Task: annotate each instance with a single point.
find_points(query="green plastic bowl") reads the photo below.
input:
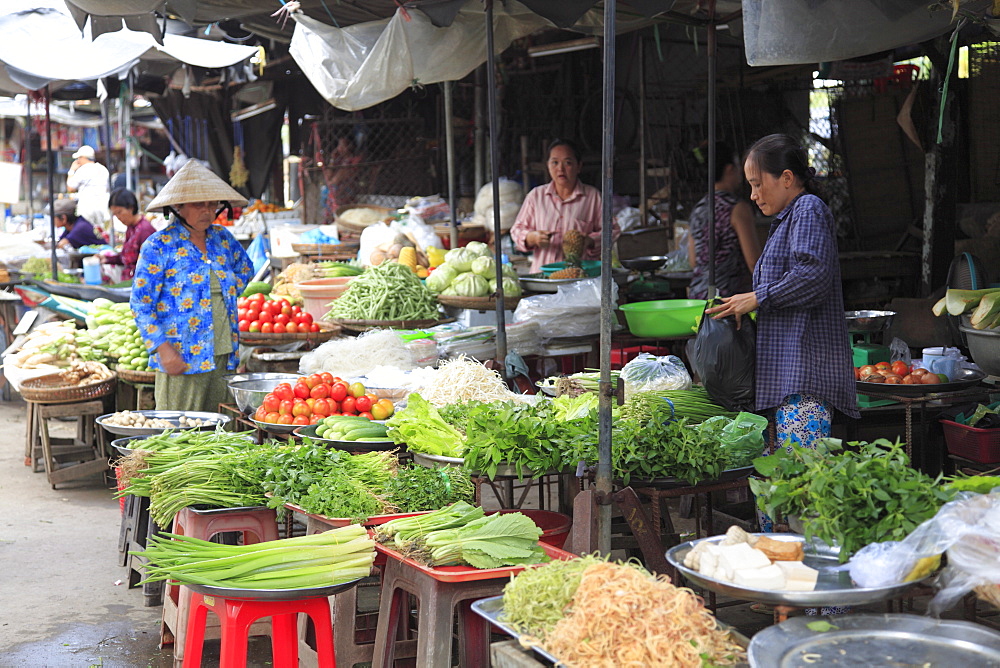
(663, 317)
(590, 268)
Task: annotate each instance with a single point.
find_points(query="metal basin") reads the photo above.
(263, 375)
(645, 262)
(868, 321)
(249, 394)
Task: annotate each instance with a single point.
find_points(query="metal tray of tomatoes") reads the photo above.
(965, 379)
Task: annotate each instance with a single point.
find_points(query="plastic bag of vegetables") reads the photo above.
(648, 373)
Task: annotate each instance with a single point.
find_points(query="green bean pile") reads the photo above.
(389, 291)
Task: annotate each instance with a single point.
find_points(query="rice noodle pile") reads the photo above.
(350, 357)
(462, 379)
(622, 617)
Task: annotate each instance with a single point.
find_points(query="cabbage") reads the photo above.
(460, 258)
(484, 266)
(478, 249)
(470, 285)
(511, 286)
(508, 270)
(441, 278)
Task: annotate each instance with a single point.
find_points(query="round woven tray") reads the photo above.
(52, 389)
(326, 333)
(479, 303)
(365, 325)
(346, 250)
(133, 376)
(355, 227)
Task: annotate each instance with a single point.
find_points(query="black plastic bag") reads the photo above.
(725, 359)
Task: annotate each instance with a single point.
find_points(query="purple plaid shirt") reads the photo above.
(802, 340)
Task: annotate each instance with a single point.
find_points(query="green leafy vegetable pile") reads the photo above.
(41, 269)
(848, 497)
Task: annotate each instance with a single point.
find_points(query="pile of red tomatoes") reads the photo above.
(257, 313)
(317, 396)
(897, 373)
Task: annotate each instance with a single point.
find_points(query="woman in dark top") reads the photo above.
(125, 208)
(77, 230)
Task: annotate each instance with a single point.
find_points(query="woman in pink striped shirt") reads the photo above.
(560, 205)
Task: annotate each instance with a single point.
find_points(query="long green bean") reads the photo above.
(389, 291)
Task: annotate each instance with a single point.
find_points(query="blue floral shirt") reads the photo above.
(171, 292)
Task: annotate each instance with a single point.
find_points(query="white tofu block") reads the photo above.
(769, 577)
(798, 576)
(741, 556)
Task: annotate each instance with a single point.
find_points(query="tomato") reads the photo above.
(285, 407)
(366, 414)
(296, 309)
(388, 405)
(257, 298)
(292, 328)
(284, 392)
(356, 390)
(244, 325)
(306, 318)
(910, 379)
(883, 365)
(379, 412)
(301, 409)
(363, 404)
(281, 318)
(314, 327)
(278, 328)
(241, 313)
(348, 406)
(285, 419)
(338, 391)
(267, 328)
(893, 379)
(857, 373)
(930, 379)
(320, 406)
(253, 314)
(899, 368)
(271, 417)
(301, 390)
(254, 326)
(316, 417)
(321, 391)
(271, 403)
(334, 406)
(265, 316)
(310, 402)
(328, 378)
(301, 419)
(259, 415)
(868, 370)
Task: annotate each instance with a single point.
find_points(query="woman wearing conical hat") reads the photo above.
(185, 288)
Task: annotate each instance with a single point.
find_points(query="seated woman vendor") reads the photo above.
(77, 230)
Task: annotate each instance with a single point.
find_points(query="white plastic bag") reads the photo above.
(372, 236)
(575, 310)
(648, 373)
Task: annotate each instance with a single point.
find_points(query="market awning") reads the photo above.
(42, 45)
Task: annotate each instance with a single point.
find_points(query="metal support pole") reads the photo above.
(491, 87)
(607, 392)
(52, 182)
(643, 209)
(478, 123)
(525, 182)
(449, 143)
(26, 161)
(712, 53)
(106, 113)
(131, 182)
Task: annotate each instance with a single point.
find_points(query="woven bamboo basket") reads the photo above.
(479, 303)
(326, 332)
(365, 325)
(133, 376)
(52, 389)
(357, 228)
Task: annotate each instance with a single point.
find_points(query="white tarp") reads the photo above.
(367, 63)
(787, 32)
(44, 45)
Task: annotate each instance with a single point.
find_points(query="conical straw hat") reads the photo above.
(194, 182)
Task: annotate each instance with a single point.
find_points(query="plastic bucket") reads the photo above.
(555, 526)
(319, 292)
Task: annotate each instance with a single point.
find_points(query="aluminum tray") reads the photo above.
(217, 419)
(547, 284)
(834, 586)
(273, 594)
(121, 444)
(309, 431)
(491, 609)
(965, 379)
(272, 428)
(875, 640)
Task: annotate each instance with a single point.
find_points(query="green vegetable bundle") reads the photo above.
(421, 427)
(693, 404)
(867, 494)
(538, 597)
(331, 269)
(389, 291)
(319, 560)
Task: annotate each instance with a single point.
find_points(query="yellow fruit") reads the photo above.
(924, 567)
(435, 256)
(422, 272)
(569, 272)
(408, 258)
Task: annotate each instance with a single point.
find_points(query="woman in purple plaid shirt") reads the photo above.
(804, 366)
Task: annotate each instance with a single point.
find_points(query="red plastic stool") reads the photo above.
(257, 525)
(236, 616)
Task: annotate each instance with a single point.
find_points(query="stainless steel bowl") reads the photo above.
(262, 375)
(213, 420)
(984, 348)
(868, 321)
(249, 394)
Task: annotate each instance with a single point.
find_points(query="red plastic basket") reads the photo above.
(977, 445)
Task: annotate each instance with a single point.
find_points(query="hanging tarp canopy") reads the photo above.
(787, 32)
(368, 63)
(43, 45)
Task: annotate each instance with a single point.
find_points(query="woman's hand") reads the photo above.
(538, 238)
(171, 361)
(737, 305)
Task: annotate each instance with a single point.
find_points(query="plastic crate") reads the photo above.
(977, 445)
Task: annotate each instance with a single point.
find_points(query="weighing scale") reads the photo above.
(862, 326)
(650, 287)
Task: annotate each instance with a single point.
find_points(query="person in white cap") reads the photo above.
(184, 292)
(89, 180)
